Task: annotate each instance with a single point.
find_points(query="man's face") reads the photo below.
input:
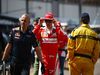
(24, 20)
(35, 23)
(48, 23)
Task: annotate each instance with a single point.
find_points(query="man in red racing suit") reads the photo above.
(49, 37)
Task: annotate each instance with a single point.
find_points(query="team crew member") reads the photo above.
(83, 48)
(21, 41)
(36, 63)
(48, 37)
(62, 52)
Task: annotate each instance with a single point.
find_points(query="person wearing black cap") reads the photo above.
(35, 59)
(83, 48)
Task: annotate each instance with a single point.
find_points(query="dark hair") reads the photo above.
(85, 18)
(37, 19)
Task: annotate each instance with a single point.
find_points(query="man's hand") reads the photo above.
(41, 20)
(42, 68)
(56, 23)
(6, 51)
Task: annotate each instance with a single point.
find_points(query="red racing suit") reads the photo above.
(63, 43)
(49, 46)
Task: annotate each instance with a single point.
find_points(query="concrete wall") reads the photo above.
(67, 12)
(39, 8)
(94, 13)
(13, 7)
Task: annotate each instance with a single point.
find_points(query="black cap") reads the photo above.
(85, 18)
